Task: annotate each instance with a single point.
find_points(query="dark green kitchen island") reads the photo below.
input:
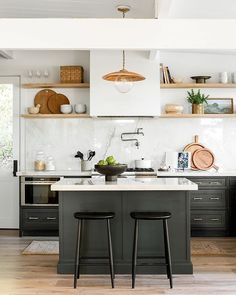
(126, 195)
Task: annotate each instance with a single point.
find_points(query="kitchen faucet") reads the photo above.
(138, 132)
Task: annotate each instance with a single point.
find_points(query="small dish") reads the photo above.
(80, 108)
(66, 108)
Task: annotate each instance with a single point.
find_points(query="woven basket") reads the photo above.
(71, 74)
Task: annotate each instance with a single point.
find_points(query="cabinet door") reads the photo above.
(208, 219)
(213, 182)
(208, 199)
(106, 100)
(39, 219)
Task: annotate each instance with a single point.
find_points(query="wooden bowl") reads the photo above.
(173, 109)
(111, 171)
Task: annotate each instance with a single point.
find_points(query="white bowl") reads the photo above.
(66, 108)
(80, 108)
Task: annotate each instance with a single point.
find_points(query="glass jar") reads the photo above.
(39, 163)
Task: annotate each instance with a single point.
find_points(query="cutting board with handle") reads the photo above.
(42, 98)
(192, 148)
(204, 159)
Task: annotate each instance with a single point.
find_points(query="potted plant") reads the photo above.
(197, 99)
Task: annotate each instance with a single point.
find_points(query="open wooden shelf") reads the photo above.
(55, 85)
(180, 116)
(54, 116)
(198, 85)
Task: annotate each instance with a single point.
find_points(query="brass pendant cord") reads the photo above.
(124, 74)
(123, 59)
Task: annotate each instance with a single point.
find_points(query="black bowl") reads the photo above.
(111, 171)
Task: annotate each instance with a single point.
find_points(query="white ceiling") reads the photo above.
(107, 8)
(74, 8)
(202, 9)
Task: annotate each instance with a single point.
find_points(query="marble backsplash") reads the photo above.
(61, 138)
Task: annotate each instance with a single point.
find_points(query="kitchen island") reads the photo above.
(123, 196)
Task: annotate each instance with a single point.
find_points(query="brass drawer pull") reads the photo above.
(197, 198)
(33, 218)
(214, 198)
(51, 218)
(197, 219)
(215, 219)
(215, 183)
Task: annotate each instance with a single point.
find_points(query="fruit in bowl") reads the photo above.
(110, 168)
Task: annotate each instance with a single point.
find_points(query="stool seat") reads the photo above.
(94, 215)
(151, 215)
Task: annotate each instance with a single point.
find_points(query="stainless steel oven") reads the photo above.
(36, 191)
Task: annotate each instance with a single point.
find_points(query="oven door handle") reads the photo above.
(38, 183)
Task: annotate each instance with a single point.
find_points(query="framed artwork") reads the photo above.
(219, 106)
(184, 160)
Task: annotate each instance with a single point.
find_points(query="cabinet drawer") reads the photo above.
(43, 219)
(232, 182)
(204, 199)
(209, 219)
(210, 182)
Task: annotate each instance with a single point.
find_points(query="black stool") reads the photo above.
(81, 216)
(152, 216)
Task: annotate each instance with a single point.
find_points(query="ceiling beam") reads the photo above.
(133, 34)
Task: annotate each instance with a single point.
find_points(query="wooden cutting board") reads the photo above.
(42, 98)
(192, 148)
(55, 101)
(203, 159)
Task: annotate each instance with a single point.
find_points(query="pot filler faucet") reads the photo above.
(138, 132)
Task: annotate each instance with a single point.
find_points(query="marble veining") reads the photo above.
(62, 138)
(98, 183)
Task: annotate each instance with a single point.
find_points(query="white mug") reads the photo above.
(223, 77)
(80, 108)
(234, 77)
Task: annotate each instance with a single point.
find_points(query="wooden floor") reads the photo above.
(36, 274)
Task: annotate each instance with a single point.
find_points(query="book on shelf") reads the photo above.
(165, 75)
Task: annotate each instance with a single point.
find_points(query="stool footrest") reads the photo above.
(151, 264)
(150, 257)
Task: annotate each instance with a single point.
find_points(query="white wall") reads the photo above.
(185, 65)
(62, 138)
(142, 100)
(40, 60)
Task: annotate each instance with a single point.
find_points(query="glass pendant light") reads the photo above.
(123, 79)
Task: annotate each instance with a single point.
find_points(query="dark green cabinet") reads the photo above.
(232, 206)
(39, 220)
(210, 207)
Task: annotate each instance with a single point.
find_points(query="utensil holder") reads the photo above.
(86, 165)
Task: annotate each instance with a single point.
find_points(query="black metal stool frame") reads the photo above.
(167, 251)
(78, 250)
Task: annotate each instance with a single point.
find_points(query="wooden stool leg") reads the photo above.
(77, 254)
(167, 251)
(110, 253)
(134, 258)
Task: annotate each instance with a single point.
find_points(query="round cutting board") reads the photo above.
(55, 101)
(192, 148)
(203, 159)
(42, 98)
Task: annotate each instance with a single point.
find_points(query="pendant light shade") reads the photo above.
(123, 78)
(123, 74)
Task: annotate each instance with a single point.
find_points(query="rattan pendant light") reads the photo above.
(123, 78)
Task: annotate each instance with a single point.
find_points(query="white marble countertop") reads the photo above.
(98, 183)
(77, 173)
(193, 173)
